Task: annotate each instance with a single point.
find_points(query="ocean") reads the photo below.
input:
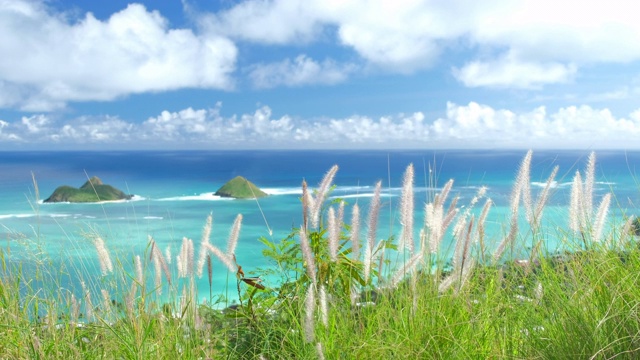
(174, 195)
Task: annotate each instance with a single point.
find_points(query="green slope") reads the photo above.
(240, 188)
(92, 191)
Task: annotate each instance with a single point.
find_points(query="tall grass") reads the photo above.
(402, 297)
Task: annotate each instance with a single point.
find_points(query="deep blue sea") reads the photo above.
(174, 194)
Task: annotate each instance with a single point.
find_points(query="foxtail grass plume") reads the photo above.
(520, 187)
(600, 219)
(323, 189)
(334, 235)
(407, 268)
(106, 266)
(319, 351)
(307, 204)
(88, 307)
(575, 204)
(138, 266)
(542, 198)
(374, 210)
(234, 235)
(226, 259)
(209, 271)
(524, 183)
(206, 234)
(626, 230)
(106, 300)
(406, 211)
(589, 180)
(324, 306)
(435, 220)
(309, 309)
(167, 254)
(308, 257)
(159, 262)
(355, 232)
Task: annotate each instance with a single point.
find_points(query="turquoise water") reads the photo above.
(174, 194)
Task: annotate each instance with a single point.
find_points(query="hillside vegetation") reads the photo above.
(341, 296)
(91, 191)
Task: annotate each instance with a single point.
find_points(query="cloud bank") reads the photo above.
(523, 44)
(55, 60)
(462, 126)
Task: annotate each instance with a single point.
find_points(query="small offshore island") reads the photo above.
(92, 191)
(240, 188)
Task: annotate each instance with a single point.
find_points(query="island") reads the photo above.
(92, 191)
(240, 188)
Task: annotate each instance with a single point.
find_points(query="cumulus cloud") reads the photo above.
(55, 60)
(509, 71)
(551, 39)
(461, 126)
(300, 71)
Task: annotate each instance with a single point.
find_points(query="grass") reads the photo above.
(580, 304)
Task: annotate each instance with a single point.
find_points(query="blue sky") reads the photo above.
(298, 74)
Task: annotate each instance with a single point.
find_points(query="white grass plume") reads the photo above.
(355, 232)
(523, 182)
(234, 235)
(408, 267)
(307, 255)
(542, 198)
(406, 211)
(518, 190)
(334, 234)
(600, 219)
(324, 306)
(374, 210)
(589, 180)
(106, 266)
(575, 204)
(309, 310)
(224, 258)
(206, 234)
(321, 193)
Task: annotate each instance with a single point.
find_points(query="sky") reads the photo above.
(319, 74)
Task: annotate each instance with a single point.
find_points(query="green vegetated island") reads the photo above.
(92, 191)
(95, 190)
(240, 188)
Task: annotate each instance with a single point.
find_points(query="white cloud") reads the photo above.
(55, 60)
(511, 72)
(549, 38)
(462, 126)
(300, 71)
